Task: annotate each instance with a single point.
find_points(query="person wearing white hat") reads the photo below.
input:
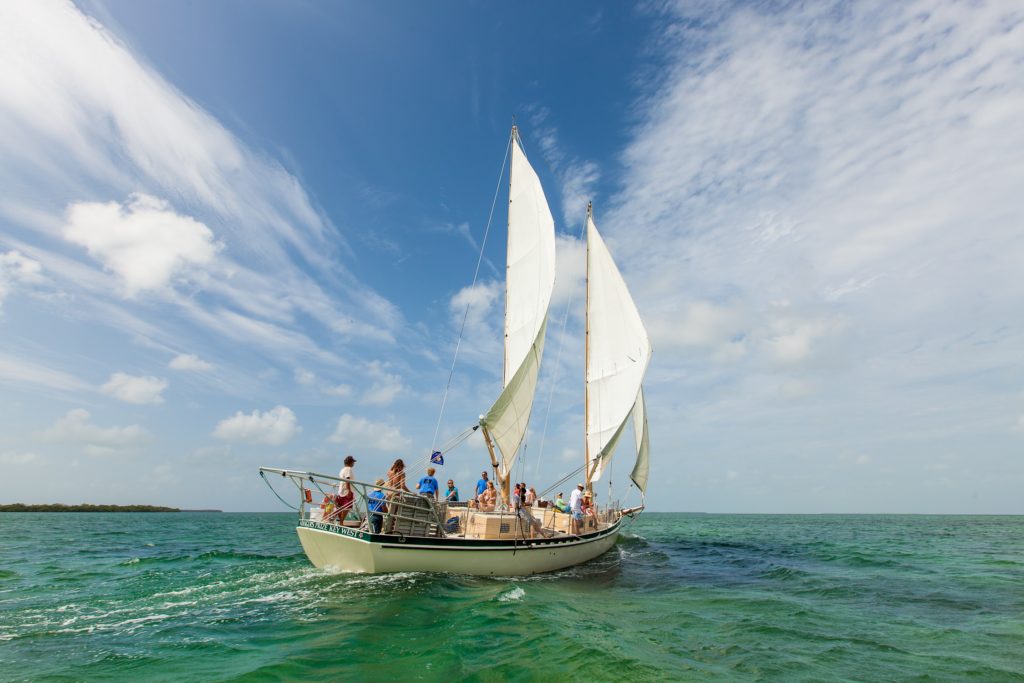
(576, 509)
(346, 495)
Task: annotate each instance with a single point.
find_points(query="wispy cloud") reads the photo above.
(159, 194)
(578, 178)
(131, 389)
(191, 362)
(386, 386)
(77, 428)
(824, 198)
(15, 269)
(21, 370)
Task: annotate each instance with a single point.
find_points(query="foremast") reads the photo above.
(618, 351)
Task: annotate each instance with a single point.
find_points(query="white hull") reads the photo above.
(349, 550)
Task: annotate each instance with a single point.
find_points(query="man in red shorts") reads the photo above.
(343, 501)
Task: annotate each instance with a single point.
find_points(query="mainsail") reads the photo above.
(618, 351)
(529, 281)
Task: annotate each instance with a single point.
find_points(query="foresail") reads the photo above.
(509, 417)
(618, 351)
(529, 281)
(643, 444)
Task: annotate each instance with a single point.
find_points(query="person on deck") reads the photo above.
(560, 503)
(481, 485)
(396, 476)
(489, 498)
(589, 510)
(428, 485)
(531, 496)
(527, 522)
(343, 501)
(376, 504)
(576, 508)
(452, 494)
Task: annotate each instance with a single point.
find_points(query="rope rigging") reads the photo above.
(476, 274)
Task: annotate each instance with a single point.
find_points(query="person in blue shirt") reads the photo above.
(452, 494)
(377, 505)
(428, 486)
(481, 485)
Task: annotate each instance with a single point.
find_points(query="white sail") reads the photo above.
(529, 281)
(643, 444)
(618, 351)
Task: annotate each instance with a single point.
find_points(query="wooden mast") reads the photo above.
(586, 364)
(504, 480)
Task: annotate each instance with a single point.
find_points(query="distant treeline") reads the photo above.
(56, 507)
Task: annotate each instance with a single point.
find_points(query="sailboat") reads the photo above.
(389, 530)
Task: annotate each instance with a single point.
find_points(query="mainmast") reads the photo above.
(586, 361)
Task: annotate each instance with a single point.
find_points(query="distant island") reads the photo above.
(56, 507)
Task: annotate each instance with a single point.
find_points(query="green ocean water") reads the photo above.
(223, 597)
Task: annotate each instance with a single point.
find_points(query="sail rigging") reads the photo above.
(618, 351)
(529, 282)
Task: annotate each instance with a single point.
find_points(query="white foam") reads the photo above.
(514, 595)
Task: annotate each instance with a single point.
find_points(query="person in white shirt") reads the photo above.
(343, 501)
(576, 509)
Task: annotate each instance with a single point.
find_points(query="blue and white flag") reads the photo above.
(437, 458)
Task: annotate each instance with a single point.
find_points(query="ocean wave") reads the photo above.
(514, 595)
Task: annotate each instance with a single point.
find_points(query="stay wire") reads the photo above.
(263, 476)
(476, 274)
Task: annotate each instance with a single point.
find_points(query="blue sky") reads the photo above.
(235, 234)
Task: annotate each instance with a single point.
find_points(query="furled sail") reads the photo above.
(618, 351)
(643, 444)
(529, 281)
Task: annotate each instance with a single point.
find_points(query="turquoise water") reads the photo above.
(708, 597)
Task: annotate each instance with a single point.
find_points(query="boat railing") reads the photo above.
(412, 514)
(405, 513)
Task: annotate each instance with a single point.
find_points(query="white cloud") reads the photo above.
(17, 268)
(17, 458)
(304, 377)
(386, 386)
(132, 389)
(360, 433)
(143, 241)
(701, 324)
(188, 361)
(76, 428)
(275, 426)
(479, 306)
(571, 257)
(339, 390)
